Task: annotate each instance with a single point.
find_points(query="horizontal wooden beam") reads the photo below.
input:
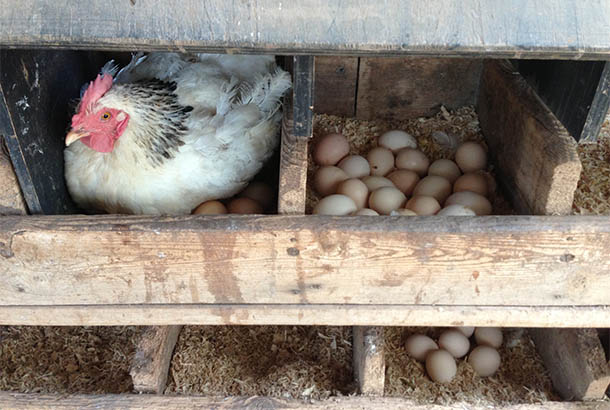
(494, 260)
(14, 401)
(328, 315)
(497, 28)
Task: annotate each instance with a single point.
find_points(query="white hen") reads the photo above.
(173, 131)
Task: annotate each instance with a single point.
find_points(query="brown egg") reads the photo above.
(335, 205)
(471, 182)
(396, 140)
(423, 205)
(478, 203)
(434, 186)
(374, 182)
(355, 189)
(484, 360)
(355, 166)
(441, 366)
(210, 208)
(260, 192)
(454, 342)
(366, 212)
(386, 199)
(244, 206)
(456, 210)
(445, 168)
(330, 149)
(381, 161)
(418, 346)
(413, 159)
(405, 180)
(326, 179)
(471, 157)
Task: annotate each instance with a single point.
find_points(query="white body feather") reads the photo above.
(229, 137)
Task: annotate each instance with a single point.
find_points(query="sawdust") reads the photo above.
(461, 124)
(66, 359)
(304, 362)
(521, 378)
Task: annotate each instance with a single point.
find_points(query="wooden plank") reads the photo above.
(293, 167)
(38, 89)
(575, 360)
(369, 360)
(11, 200)
(574, 30)
(401, 88)
(21, 401)
(152, 359)
(506, 260)
(302, 95)
(535, 156)
(296, 314)
(336, 84)
(576, 92)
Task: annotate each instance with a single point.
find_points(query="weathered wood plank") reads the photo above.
(369, 359)
(576, 92)
(302, 95)
(336, 82)
(293, 167)
(506, 260)
(20, 401)
(319, 314)
(574, 30)
(401, 88)
(536, 158)
(575, 360)
(153, 357)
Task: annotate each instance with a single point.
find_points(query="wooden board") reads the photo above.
(369, 359)
(576, 92)
(296, 314)
(401, 88)
(153, 355)
(574, 30)
(39, 88)
(336, 85)
(506, 260)
(535, 157)
(575, 360)
(293, 167)
(11, 200)
(20, 401)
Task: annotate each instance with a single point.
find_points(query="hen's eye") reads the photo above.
(106, 116)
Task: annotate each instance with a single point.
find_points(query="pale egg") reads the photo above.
(386, 199)
(405, 180)
(403, 212)
(433, 185)
(327, 179)
(423, 205)
(456, 210)
(484, 360)
(418, 346)
(366, 212)
(476, 183)
(396, 140)
(375, 182)
(441, 366)
(413, 159)
(445, 168)
(335, 205)
(355, 189)
(478, 203)
(466, 330)
(381, 161)
(355, 166)
(330, 149)
(454, 342)
(471, 157)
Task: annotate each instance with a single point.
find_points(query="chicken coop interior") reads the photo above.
(302, 302)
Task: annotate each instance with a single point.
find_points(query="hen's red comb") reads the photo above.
(94, 92)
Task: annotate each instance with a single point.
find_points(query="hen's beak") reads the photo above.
(74, 136)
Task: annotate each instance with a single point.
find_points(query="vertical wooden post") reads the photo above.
(153, 356)
(369, 359)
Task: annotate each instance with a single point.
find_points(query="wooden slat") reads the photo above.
(574, 30)
(19, 401)
(322, 314)
(293, 168)
(153, 357)
(536, 158)
(369, 359)
(401, 88)
(507, 260)
(575, 360)
(336, 83)
(302, 95)
(576, 92)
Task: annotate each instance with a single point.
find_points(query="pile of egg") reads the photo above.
(453, 344)
(255, 199)
(396, 178)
